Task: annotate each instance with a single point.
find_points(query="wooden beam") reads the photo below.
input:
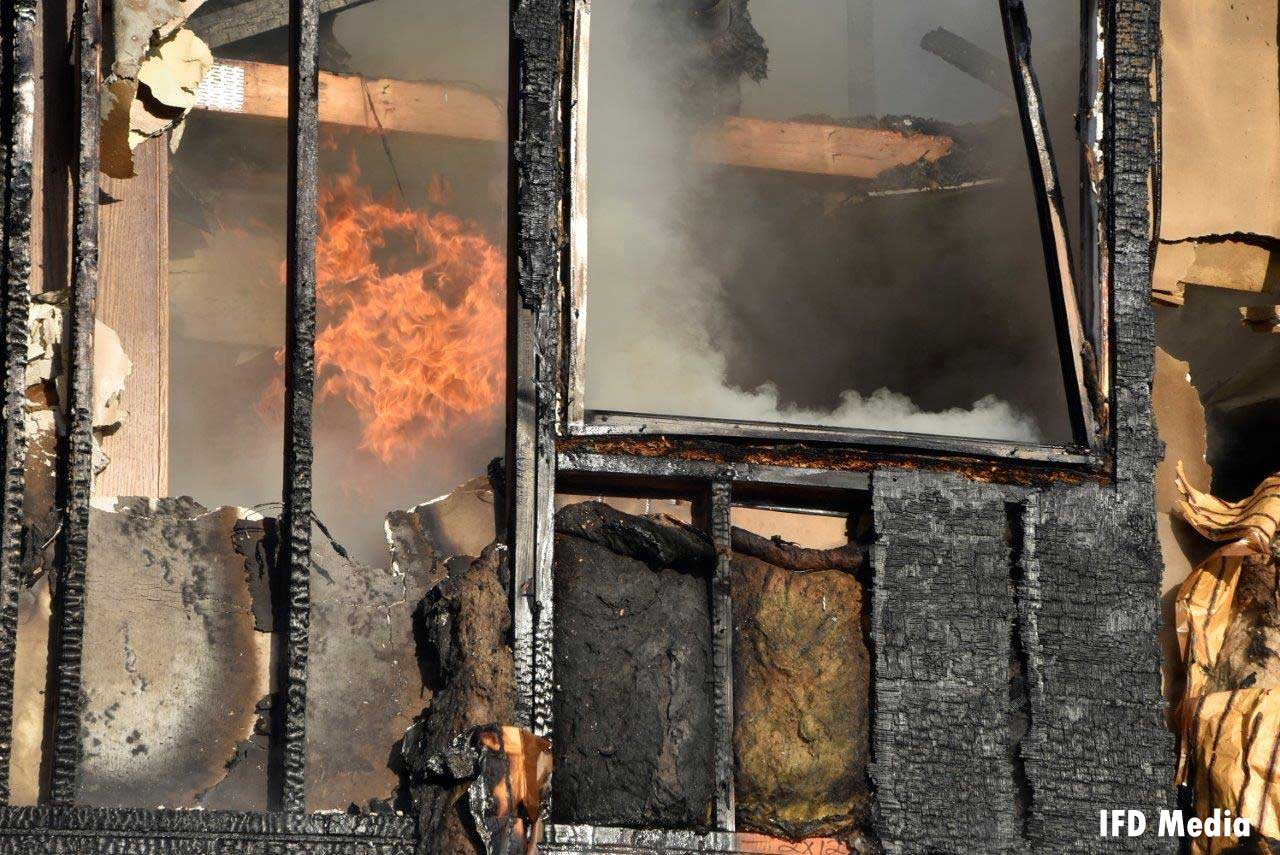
(461, 112)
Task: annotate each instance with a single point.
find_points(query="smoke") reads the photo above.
(694, 270)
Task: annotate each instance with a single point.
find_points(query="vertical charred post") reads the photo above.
(77, 454)
(18, 122)
(536, 202)
(300, 272)
(722, 651)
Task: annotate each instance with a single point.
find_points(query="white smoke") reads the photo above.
(657, 303)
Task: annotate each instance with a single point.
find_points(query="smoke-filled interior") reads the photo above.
(410, 351)
(724, 283)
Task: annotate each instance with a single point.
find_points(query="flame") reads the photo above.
(411, 320)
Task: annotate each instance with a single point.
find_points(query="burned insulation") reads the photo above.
(633, 708)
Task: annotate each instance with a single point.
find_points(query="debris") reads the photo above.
(464, 624)
(154, 79)
(978, 63)
(1263, 319)
(1228, 620)
(500, 775)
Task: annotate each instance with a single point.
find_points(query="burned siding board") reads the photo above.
(1088, 604)
(942, 617)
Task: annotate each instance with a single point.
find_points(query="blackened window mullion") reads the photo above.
(304, 28)
(722, 652)
(77, 456)
(19, 122)
(1079, 371)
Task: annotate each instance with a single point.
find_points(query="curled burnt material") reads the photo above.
(463, 627)
(498, 776)
(1228, 623)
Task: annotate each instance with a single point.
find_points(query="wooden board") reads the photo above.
(133, 299)
(461, 112)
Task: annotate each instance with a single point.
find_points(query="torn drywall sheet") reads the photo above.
(1180, 421)
(154, 80)
(1221, 119)
(1233, 264)
(1228, 622)
(173, 666)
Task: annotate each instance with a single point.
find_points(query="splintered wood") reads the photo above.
(461, 112)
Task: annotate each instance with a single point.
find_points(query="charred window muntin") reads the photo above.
(1073, 254)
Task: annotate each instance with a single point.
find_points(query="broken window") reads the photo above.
(825, 216)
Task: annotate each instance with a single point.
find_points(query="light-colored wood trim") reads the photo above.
(576, 347)
(133, 299)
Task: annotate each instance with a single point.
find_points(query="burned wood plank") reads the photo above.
(300, 345)
(720, 506)
(1090, 600)
(535, 199)
(77, 474)
(942, 617)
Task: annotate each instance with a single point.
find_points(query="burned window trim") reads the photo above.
(1076, 302)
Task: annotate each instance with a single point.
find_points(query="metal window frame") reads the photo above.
(1075, 301)
(61, 824)
(556, 443)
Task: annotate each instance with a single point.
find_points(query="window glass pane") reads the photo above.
(803, 215)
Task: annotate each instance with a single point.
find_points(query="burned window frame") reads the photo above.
(1078, 303)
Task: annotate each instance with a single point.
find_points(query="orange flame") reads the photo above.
(411, 321)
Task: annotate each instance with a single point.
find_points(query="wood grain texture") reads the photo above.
(133, 299)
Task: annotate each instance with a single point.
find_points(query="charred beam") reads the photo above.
(77, 472)
(300, 277)
(15, 235)
(959, 52)
(227, 23)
